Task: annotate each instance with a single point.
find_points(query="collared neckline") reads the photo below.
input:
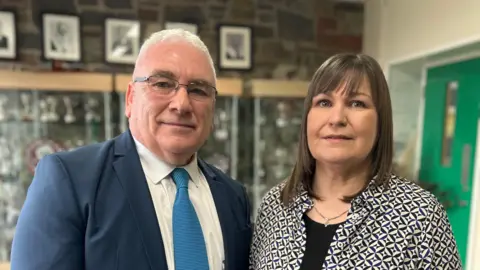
(158, 170)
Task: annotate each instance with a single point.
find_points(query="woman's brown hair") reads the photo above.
(347, 71)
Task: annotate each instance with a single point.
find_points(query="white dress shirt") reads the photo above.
(163, 191)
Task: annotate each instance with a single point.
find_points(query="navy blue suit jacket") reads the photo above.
(91, 209)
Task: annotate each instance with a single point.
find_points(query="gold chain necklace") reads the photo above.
(327, 220)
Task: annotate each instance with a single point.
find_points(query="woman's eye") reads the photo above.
(323, 103)
(357, 103)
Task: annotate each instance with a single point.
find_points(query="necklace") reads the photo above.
(327, 220)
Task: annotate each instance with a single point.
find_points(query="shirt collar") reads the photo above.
(157, 170)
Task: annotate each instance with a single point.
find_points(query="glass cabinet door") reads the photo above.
(276, 131)
(220, 150)
(34, 124)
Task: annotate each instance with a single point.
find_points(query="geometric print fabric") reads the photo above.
(401, 226)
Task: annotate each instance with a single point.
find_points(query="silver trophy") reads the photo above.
(91, 107)
(3, 110)
(69, 116)
(43, 108)
(27, 108)
(6, 157)
(221, 132)
(52, 109)
(282, 120)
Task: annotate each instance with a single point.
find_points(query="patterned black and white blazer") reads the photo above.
(398, 227)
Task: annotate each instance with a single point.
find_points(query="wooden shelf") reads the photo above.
(121, 82)
(279, 88)
(55, 81)
(225, 86)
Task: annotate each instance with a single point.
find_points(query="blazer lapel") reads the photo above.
(222, 204)
(130, 174)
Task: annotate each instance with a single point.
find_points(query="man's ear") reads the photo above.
(129, 95)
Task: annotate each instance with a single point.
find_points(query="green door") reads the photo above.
(449, 139)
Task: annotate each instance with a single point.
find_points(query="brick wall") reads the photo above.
(291, 36)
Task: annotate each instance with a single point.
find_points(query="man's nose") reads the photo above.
(180, 101)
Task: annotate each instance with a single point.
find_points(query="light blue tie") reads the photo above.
(189, 248)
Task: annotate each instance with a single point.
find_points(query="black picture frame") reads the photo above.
(121, 40)
(8, 35)
(61, 37)
(235, 47)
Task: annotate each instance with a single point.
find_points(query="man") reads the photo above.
(124, 203)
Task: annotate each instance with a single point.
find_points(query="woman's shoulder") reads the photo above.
(410, 194)
(273, 196)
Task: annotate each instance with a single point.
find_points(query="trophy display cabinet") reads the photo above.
(43, 113)
(221, 148)
(120, 123)
(278, 109)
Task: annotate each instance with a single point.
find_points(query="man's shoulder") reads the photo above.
(85, 154)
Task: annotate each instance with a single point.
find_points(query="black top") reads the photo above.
(319, 238)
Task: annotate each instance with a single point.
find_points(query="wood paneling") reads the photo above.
(56, 81)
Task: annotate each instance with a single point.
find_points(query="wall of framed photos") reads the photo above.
(268, 39)
(45, 112)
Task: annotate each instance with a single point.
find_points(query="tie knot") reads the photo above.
(180, 177)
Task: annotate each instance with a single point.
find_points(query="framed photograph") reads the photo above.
(8, 35)
(122, 40)
(62, 38)
(235, 47)
(192, 28)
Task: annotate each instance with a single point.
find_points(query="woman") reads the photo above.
(342, 207)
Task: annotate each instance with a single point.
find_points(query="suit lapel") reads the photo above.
(224, 212)
(130, 174)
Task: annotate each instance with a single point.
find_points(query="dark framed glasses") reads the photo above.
(166, 86)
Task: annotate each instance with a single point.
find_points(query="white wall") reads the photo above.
(399, 30)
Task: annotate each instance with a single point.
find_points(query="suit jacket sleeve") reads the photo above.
(50, 229)
(436, 247)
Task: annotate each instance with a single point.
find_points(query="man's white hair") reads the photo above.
(176, 35)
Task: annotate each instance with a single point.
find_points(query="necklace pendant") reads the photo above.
(326, 222)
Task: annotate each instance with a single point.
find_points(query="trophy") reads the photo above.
(6, 159)
(91, 107)
(69, 116)
(221, 133)
(43, 107)
(52, 109)
(3, 111)
(27, 110)
(280, 167)
(282, 120)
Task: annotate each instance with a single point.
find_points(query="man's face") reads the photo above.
(176, 125)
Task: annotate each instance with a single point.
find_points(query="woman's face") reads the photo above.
(342, 129)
